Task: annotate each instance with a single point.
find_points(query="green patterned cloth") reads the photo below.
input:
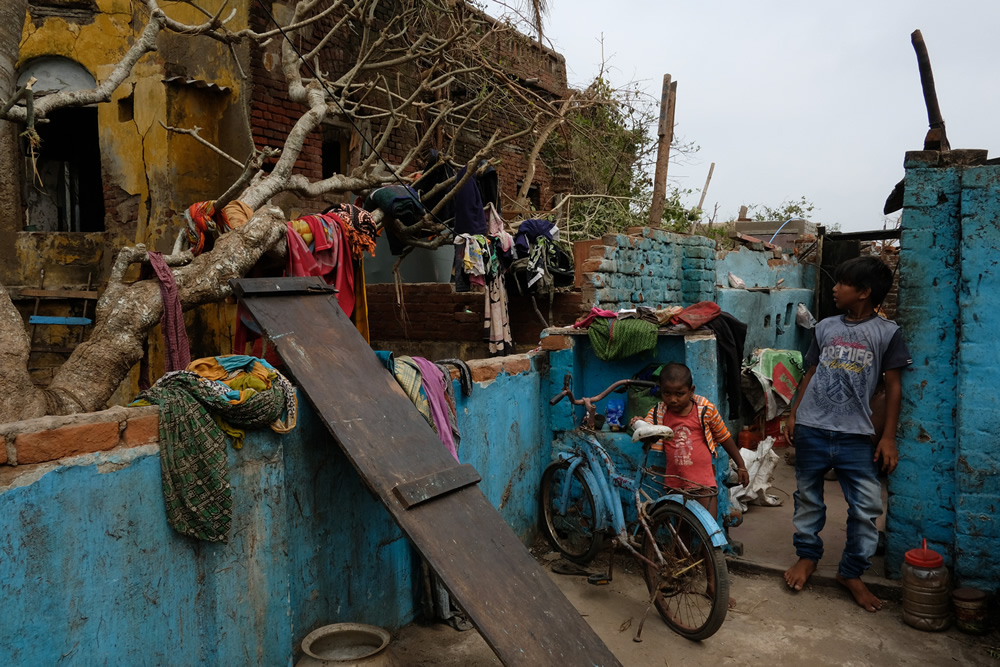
(616, 339)
(193, 460)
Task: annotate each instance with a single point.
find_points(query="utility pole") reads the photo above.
(668, 98)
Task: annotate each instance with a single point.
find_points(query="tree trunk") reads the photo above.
(12, 15)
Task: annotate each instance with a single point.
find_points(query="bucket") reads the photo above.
(971, 610)
(346, 645)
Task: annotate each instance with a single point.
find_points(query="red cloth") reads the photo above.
(178, 349)
(594, 314)
(697, 315)
(688, 455)
(345, 268)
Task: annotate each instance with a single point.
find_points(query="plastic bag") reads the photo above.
(736, 282)
(803, 317)
(614, 413)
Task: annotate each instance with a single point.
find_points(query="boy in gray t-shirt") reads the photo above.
(831, 428)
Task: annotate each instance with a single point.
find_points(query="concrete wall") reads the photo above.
(778, 286)
(947, 486)
(92, 573)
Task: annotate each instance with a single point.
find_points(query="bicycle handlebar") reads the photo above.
(588, 402)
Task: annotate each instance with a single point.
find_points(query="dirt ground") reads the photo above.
(770, 625)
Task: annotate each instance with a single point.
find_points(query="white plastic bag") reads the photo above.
(736, 282)
(760, 467)
(804, 318)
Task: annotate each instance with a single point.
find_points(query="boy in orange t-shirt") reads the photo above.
(698, 429)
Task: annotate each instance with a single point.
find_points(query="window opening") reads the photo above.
(63, 188)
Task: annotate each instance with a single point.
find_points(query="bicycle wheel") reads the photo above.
(692, 586)
(574, 532)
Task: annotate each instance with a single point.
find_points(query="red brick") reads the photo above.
(3, 450)
(516, 365)
(142, 430)
(557, 343)
(66, 441)
(485, 370)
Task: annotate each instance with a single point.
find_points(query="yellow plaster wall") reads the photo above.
(163, 172)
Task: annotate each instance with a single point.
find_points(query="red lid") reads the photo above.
(924, 557)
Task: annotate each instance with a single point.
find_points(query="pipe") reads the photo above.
(783, 226)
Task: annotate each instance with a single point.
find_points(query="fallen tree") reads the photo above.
(442, 45)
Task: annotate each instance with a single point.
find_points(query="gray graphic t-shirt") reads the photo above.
(850, 357)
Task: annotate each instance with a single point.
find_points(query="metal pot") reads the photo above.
(346, 645)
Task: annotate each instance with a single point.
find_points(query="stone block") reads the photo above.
(921, 159)
(595, 279)
(142, 430)
(687, 263)
(699, 275)
(698, 252)
(66, 441)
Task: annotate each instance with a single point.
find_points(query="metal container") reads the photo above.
(971, 610)
(347, 645)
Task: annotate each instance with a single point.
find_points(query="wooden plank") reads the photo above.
(520, 613)
(32, 293)
(66, 321)
(436, 484)
(280, 286)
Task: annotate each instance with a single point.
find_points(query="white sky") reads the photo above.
(809, 98)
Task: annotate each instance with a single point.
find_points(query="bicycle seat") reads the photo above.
(648, 432)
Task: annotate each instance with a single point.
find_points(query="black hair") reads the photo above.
(866, 273)
(675, 373)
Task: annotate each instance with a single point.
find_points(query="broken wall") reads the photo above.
(947, 486)
(92, 573)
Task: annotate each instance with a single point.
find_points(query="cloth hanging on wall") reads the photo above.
(178, 349)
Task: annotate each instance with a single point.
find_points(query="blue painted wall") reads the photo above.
(90, 572)
(947, 486)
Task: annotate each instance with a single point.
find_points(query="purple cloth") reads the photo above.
(178, 354)
(433, 383)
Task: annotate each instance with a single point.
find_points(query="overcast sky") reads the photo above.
(809, 98)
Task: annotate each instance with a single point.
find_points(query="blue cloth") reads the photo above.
(241, 362)
(817, 451)
(529, 231)
(387, 360)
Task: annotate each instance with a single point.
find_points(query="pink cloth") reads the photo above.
(178, 352)
(338, 270)
(594, 314)
(697, 315)
(433, 381)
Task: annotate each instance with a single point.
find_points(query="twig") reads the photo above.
(208, 144)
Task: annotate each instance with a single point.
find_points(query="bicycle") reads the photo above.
(676, 541)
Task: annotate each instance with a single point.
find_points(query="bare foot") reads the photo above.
(797, 575)
(862, 595)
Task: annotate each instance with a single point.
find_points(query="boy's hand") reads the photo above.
(887, 451)
(790, 429)
(743, 476)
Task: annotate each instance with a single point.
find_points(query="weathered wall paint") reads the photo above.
(947, 487)
(770, 315)
(91, 573)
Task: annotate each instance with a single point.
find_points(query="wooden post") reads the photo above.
(668, 98)
(704, 190)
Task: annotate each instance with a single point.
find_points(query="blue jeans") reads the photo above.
(851, 455)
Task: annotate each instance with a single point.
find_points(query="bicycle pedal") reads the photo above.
(599, 579)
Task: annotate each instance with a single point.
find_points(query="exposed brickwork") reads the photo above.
(53, 438)
(67, 441)
(142, 431)
(272, 115)
(649, 268)
(435, 312)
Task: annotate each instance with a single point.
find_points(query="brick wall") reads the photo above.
(651, 268)
(947, 486)
(51, 438)
(436, 313)
(273, 115)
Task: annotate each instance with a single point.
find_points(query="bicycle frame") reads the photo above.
(603, 477)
